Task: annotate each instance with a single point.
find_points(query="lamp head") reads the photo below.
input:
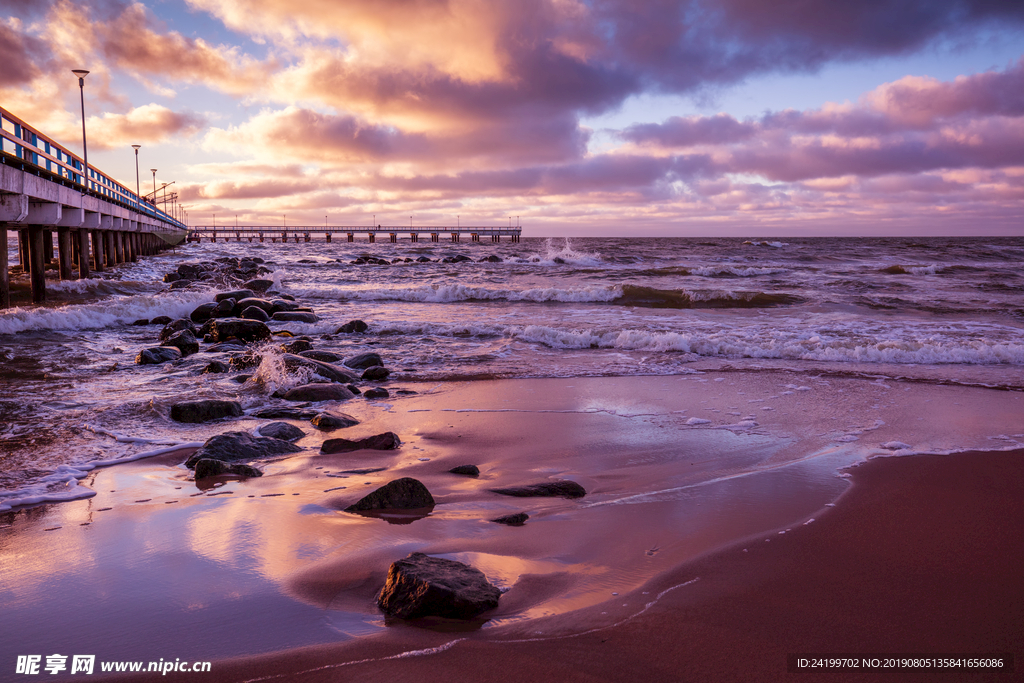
(81, 73)
(136, 148)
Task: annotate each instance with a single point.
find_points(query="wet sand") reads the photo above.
(923, 555)
(268, 575)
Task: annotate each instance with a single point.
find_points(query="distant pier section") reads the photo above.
(353, 233)
(46, 192)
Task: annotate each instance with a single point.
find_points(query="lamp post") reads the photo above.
(82, 73)
(138, 191)
(154, 185)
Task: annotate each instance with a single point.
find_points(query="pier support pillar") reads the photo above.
(35, 248)
(394, 237)
(5, 276)
(64, 252)
(455, 237)
(99, 261)
(372, 236)
(23, 259)
(108, 248)
(414, 237)
(434, 237)
(119, 246)
(351, 237)
(83, 254)
(328, 238)
(307, 238)
(47, 246)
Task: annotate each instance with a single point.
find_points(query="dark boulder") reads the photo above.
(184, 341)
(354, 389)
(281, 430)
(182, 284)
(364, 360)
(422, 259)
(328, 422)
(424, 586)
(160, 320)
(255, 313)
(282, 304)
(492, 259)
(237, 295)
(259, 286)
(258, 303)
(401, 494)
(225, 309)
(157, 355)
(231, 446)
(171, 277)
(319, 392)
(248, 331)
(376, 392)
(216, 366)
(322, 356)
(294, 317)
(565, 489)
(352, 326)
(377, 372)
(380, 442)
(141, 322)
(468, 470)
(203, 312)
(177, 326)
(297, 346)
(285, 413)
(208, 467)
(293, 362)
(517, 519)
(204, 410)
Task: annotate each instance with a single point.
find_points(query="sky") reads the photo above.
(576, 118)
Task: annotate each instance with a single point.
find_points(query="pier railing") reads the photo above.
(432, 233)
(23, 146)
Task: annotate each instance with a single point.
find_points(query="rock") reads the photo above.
(285, 413)
(157, 354)
(493, 259)
(208, 467)
(468, 470)
(322, 356)
(422, 259)
(352, 326)
(160, 320)
(328, 422)
(364, 360)
(380, 442)
(264, 304)
(231, 446)
(424, 586)
(237, 295)
(281, 430)
(225, 309)
(297, 346)
(259, 286)
(319, 392)
(140, 323)
(203, 312)
(248, 331)
(377, 372)
(566, 489)
(376, 392)
(294, 317)
(401, 494)
(243, 361)
(205, 410)
(282, 304)
(171, 277)
(216, 366)
(181, 284)
(517, 519)
(255, 313)
(177, 326)
(184, 341)
(354, 389)
(292, 362)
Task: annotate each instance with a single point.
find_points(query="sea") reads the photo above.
(937, 310)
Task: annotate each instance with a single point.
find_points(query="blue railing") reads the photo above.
(29, 146)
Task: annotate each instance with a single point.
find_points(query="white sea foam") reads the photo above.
(449, 293)
(735, 271)
(112, 312)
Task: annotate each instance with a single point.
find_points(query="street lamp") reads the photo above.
(136, 148)
(154, 185)
(82, 73)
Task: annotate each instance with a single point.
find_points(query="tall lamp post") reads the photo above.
(137, 190)
(82, 73)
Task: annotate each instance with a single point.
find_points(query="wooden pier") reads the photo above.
(369, 234)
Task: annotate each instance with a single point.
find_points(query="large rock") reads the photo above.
(319, 392)
(255, 313)
(157, 355)
(205, 410)
(285, 413)
(352, 326)
(208, 467)
(549, 489)
(376, 373)
(281, 430)
(248, 331)
(322, 356)
(424, 586)
(401, 494)
(518, 519)
(468, 470)
(379, 442)
(378, 392)
(203, 312)
(258, 303)
(231, 446)
(328, 422)
(177, 326)
(259, 286)
(237, 295)
(184, 341)
(297, 346)
(364, 360)
(294, 317)
(332, 372)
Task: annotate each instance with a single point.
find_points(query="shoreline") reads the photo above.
(940, 578)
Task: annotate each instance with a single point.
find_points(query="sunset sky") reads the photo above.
(599, 117)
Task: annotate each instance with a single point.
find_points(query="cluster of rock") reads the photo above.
(460, 258)
(222, 272)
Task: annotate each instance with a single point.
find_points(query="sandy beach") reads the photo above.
(706, 548)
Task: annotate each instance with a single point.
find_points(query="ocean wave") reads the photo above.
(650, 297)
(108, 313)
(735, 271)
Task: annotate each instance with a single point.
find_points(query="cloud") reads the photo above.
(20, 55)
(151, 123)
